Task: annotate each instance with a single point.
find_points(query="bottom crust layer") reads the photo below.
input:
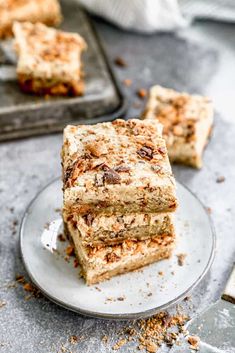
(41, 87)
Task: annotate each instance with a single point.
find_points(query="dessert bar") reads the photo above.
(187, 121)
(119, 167)
(49, 60)
(45, 11)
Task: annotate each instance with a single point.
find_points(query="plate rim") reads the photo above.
(111, 316)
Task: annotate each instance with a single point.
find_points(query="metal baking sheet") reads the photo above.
(25, 115)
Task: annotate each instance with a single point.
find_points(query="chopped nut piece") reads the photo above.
(73, 339)
(75, 263)
(122, 169)
(70, 250)
(181, 258)
(127, 82)
(142, 93)
(112, 257)
(220, 179)
(61, 237)
(194, 342)
(28, 287)
(20, 278)
(119, 61)
(151, 347)
(105, 339)
(2, 303)
(97, 149)
(121, 299)
(112, 177)
(145, 152)
(89, 219)
(119, 344)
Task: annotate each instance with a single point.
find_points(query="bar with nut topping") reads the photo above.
(187, 122)
(44, 11)
(119, 167)
(49, 60)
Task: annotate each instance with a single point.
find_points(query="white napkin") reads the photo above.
(139, 15)
(159, 15)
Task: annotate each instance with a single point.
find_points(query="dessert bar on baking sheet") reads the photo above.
(24, 114)
(44, 11)
(49, 60)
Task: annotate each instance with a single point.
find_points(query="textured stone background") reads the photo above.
(200, 59)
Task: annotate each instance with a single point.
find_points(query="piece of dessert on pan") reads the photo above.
(44, 11)
(49, 60)
(187, 122)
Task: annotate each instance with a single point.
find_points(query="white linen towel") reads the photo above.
(159, 15)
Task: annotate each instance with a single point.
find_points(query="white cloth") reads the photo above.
(139, 15)
(159, 15)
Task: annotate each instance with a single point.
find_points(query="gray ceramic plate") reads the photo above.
(133, 295)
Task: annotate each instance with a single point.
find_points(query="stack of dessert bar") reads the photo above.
(119, 196)
(187, 121)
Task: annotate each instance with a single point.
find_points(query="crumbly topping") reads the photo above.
(47, 53)
(121, 152)
(178, 112)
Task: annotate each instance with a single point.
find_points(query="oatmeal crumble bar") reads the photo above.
(118, 167)
(187, 121)
(49, 60)
(105, 261)
(96, 230)
(45, 11)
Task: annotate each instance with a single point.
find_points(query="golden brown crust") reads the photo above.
(44, 87)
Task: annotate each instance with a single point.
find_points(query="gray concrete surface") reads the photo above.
(200, 59)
